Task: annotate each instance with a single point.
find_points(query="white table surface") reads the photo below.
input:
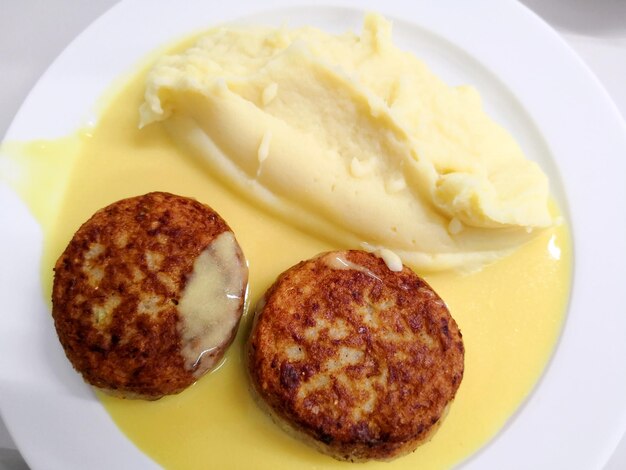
(34, 32)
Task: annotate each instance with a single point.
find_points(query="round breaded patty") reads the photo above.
(148, 295)
(357, 360)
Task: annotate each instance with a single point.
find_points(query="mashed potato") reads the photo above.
(354, 139)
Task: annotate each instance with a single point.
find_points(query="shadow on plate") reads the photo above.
(591, 18)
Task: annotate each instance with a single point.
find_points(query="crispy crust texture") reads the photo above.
(356, 360)
(116, 290)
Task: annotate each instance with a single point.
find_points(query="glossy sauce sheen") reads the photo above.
(510, 313)
(209, 305)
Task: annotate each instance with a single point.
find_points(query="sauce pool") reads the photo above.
(510, 313)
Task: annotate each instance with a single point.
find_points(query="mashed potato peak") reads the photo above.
(353, 138)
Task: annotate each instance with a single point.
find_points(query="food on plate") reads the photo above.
(357, 360)
(511, 312)
(350, 137)
(148, 295)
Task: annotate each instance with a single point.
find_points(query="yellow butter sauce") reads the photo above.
(510, 313)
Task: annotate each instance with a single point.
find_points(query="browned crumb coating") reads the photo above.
(360, 362)
(116, 290)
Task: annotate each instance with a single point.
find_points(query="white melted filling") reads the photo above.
(391, 259)
(211, 302)
(339, 261)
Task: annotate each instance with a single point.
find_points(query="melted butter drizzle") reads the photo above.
(391, 258)
(339, 261)
(211, 303)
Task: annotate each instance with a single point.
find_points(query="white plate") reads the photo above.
(531, 82)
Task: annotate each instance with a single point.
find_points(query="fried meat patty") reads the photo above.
(148, 295)
(356, 360)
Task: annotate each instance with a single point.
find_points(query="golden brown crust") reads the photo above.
(116, 290)
(362, 361)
